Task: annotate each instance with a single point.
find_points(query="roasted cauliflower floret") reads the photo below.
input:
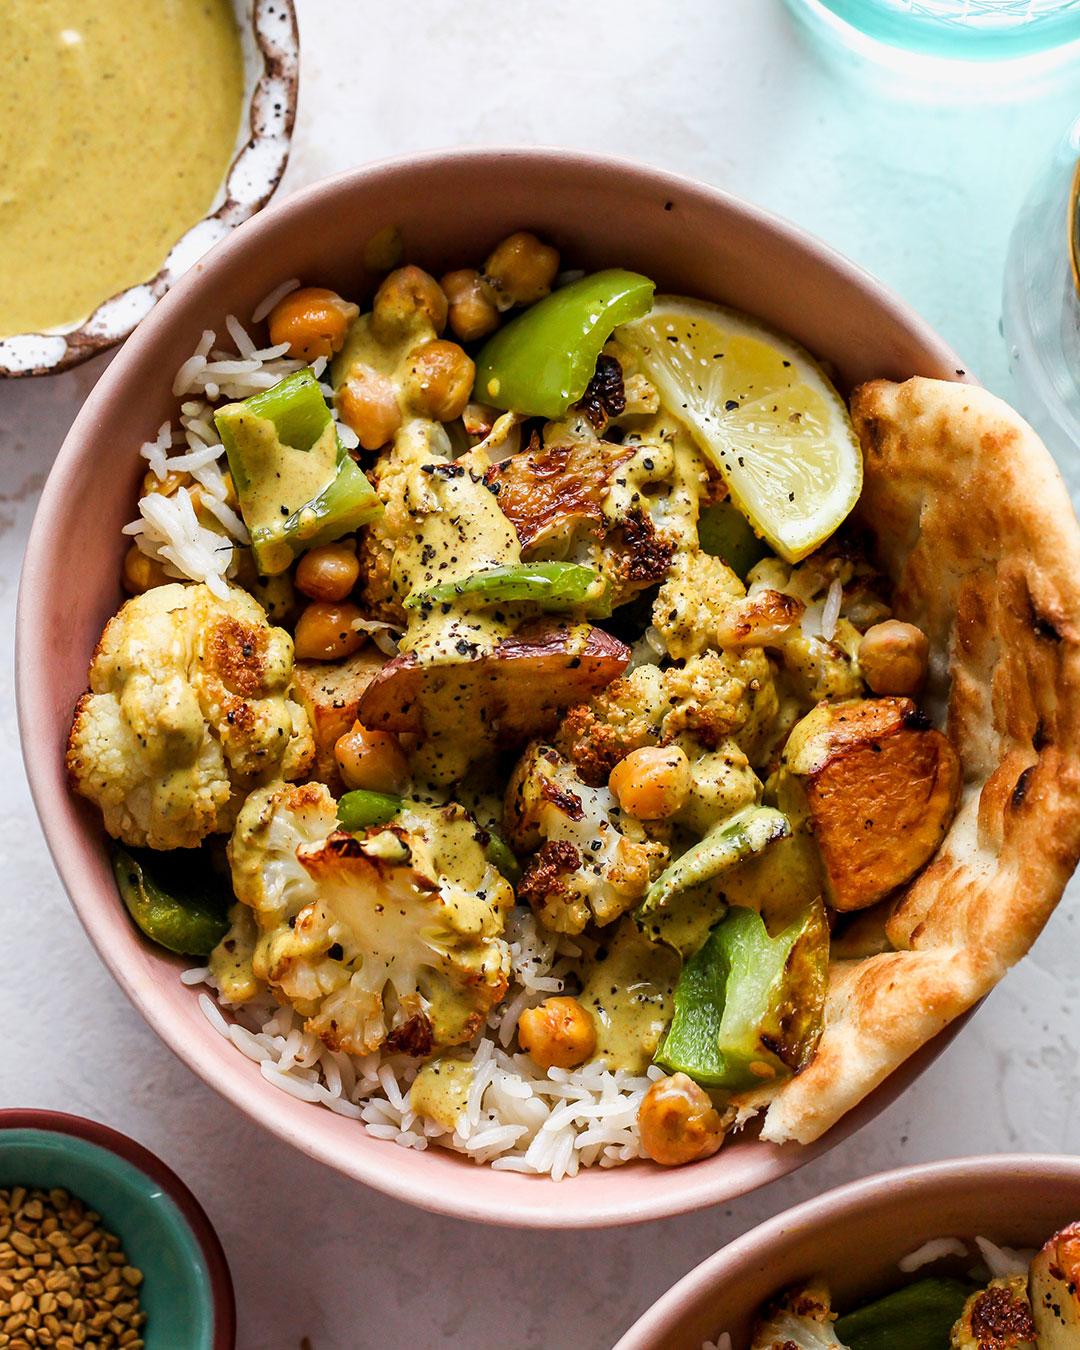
(190, 707)
(590, 861)
(801, 1319)
(840, 595)
(713, 697)
(703, 604)
(390, 940)
(626, 716)
(996, 1318)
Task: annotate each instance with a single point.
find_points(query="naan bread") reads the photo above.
(973, 525)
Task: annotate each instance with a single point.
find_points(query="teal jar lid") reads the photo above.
(186, 1291)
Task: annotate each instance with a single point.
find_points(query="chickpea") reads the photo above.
(442, 379)
(373, 760)
(678, 1122)
(368, 403)
(313, 321)
(559, 1034)
(521, 270)
(893, 657)
(472, 311)
(164, 487)
(652, 782)
(325, 632)
(407, 299)
(328, 572)
(141, 572)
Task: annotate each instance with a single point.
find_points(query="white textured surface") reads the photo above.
(920, 192)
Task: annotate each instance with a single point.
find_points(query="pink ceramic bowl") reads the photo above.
(451, 208)
(855, 1236)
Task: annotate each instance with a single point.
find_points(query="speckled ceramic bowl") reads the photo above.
(271, 49)
(451, 208)
(186, 1292)
(856, 1235)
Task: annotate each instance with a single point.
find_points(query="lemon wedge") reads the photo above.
(764, 412)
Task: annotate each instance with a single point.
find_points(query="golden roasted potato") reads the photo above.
(330, 692)
(876, 785)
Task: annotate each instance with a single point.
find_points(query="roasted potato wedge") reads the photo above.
(330, 692)
(523, 684)
(876, 785)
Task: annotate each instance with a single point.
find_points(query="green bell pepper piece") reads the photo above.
(917, 1317)
(725, 532)
(357, 810)
(548, 585)
(297, 485)
(681, 905)
(175, 898)
(501, 857)
(541, 362)
(749, 1008)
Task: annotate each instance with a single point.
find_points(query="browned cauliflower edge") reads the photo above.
(389, 940)
(190, 707)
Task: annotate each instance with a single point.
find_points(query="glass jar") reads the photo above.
(968, 29)
(1041, 306)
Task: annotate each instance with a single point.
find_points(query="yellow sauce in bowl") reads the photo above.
(118, 119)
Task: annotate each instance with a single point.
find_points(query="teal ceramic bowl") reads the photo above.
(186, 1292)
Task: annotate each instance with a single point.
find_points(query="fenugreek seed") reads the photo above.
(14, 1322)
(21, 1301)
(22, 1244)
(17, 1196)
(33, 1210)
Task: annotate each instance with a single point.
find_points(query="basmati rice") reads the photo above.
(516, 1117)
(934, 1250)
(194, 534)
(1002, 1261)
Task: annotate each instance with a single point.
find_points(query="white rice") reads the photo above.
(1003, 1261)
(831, 610)
(517, 1117)
(934, 1250)
(169, 528)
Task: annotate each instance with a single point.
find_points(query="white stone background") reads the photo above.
(917, 181)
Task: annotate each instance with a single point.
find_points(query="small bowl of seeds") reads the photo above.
(102, 1247)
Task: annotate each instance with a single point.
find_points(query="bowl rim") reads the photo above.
(280, 64)
(551, 1208)
(847, 1201)
(104, 1137)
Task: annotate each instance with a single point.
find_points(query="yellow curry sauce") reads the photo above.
(117, 123)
